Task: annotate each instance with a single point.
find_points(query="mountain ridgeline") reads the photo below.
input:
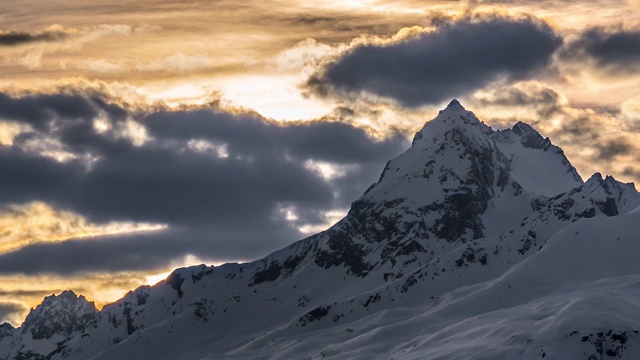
(473, 244)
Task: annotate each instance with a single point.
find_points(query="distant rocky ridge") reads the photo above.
(473, 244)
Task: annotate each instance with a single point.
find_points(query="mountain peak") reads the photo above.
(521, 128)
(455, 104)
(595, 178)
(455, 110)
(6, 329)
(59, 314)
(608, 183)
(454, 115)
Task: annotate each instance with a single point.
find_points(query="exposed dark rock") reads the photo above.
(610, 343)
(372, 299)
(315, 314)
(175, 281)
(142, 298)
(528, 241)
(197, 277)
(608, 207)
(271, 273)
(129, 318)
(343, 251)
(472, 256)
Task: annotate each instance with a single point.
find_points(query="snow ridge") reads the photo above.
(474, 244)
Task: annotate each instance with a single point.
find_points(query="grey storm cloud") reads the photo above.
(15, 38)
(544, 101)
(103, 254)
(613, 148)
(617, 49)
(457, 58)
(9, 310)
(216, 207)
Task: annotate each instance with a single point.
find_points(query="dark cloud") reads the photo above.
(617, 50)
(9, 311)
(104, 254)
(218, 207)
(543, 101)
(632, 172)
(312, 20)
(457, 58)
(29, 293)
(42, 110)
(335, 25)
(15, 38)
(611, 149)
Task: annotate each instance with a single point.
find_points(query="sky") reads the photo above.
(137, 137)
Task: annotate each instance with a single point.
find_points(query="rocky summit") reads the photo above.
(473, 244)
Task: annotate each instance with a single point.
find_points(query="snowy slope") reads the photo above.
(474, 243)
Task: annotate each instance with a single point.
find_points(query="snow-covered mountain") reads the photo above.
(473, 244)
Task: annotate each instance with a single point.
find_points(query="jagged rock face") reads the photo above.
(59, 315)
(446, 227)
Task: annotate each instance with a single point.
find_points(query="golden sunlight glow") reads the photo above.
(9, 131)
(331, 217)
(273, 96)
(36, 222)
(156, 278)
(188, 260)
(327, 170)
(102, 288)
(193, 92)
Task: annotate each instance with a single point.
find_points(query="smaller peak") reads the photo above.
(595, 178)
(454, 109)
(6, 329)
(521, 128)
(68, 295)
(530, 137)
(60, 314)
(609, 183)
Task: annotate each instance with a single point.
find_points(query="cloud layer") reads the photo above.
(218, 180)
(455, 59)
(616, 50)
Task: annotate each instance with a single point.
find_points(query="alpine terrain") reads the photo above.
(473, 244)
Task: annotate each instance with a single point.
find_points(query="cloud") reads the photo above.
(176, 63)
(179, 62)
(458, 57)
(34, 223)
(611, 149)
(16, 38)
(99, 255)
(616, 50)
(630, 113)
(531, 97)
(217, 179)
(10, 312)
